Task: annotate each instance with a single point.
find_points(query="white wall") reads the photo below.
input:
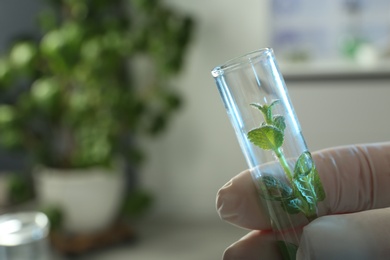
(200, 152)
(335, 113)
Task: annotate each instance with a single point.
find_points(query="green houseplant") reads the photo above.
(72, 100)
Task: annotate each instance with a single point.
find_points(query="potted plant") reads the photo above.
(73, 99)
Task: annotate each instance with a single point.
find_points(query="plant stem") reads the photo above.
(284, 164)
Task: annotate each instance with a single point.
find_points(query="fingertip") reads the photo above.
(253, 246)
(228, 203)
(237, 202)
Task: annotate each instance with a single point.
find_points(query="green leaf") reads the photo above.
(306, 188)
(269, 110)
(266, 137)
(275, 189)
(265, 110)
(307, 179)
(279, 122)
(292, 206)
(258, 106)
(276, 101)
(288, 250)
(318, 188)
(304, 164)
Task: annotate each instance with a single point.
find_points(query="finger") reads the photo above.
(237, 203)
(256, 245)
(362, 236)
(355, 178)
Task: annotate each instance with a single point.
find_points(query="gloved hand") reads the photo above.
(356, 224)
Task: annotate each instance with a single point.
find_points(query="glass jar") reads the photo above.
(24, 235)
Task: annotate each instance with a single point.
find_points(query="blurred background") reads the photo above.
(125, 86)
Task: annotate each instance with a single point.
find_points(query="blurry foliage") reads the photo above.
(136, 204)
(19, 188)
(70, 98)
(55, 216)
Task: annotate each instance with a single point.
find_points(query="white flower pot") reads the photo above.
(89, 198)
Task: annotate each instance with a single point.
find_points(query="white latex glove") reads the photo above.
(356, 180)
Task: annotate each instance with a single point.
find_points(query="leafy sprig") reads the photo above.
(304, 188)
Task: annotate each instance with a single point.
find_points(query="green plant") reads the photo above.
(55, 216)
(70, 98)
(136, 204)
(19, 189)
(304, 188)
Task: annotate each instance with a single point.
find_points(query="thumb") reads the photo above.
(362, 235)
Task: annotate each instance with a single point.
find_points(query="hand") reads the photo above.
(354, 223)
